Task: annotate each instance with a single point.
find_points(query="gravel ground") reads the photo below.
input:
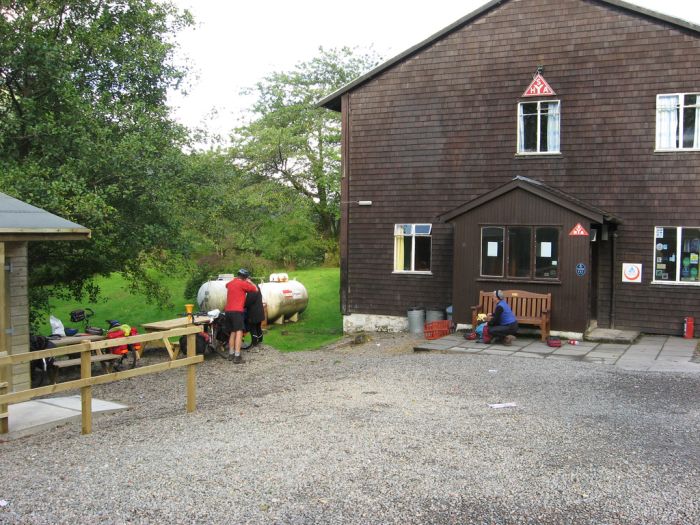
(372, 433)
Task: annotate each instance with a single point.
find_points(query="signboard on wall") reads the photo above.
(578, 231)
(538, 88)
(631, 273)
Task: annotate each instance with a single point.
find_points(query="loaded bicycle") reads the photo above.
(214, 337)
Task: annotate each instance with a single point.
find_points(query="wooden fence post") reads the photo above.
(191, 377)
(86, 391)
(5, 371)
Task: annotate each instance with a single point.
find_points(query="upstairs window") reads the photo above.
(520, 252)
(678, 122)
(676, 254)
(538, 127)
(412, 247)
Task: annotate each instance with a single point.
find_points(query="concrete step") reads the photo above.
(610, 335)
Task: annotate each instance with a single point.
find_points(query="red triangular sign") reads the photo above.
(578, 230)
(538, 87)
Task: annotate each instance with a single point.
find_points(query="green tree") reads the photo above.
(295, 143)
(85, 132)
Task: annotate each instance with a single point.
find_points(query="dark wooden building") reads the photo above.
(545, 145)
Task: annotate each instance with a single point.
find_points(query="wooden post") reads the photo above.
(86, 391)
(4, 347)
(191, 377)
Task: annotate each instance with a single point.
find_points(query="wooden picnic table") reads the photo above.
(173, 348)
(169, 324)
(97, 357)
(75, 339)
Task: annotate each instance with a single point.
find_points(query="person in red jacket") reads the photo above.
(235, 304)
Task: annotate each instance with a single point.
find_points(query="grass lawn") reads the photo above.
(319, 325)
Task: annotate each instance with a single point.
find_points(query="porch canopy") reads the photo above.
(539, 189)
(575, 251)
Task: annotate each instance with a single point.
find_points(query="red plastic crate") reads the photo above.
(437, 329)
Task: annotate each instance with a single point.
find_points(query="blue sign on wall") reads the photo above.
(580, 269)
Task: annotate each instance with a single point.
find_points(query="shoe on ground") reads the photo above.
(508, 340)
(237, 359)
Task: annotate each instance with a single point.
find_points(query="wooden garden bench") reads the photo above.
(528, 308)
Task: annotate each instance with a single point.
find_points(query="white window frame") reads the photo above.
(679, 116)
(399, 232)
(678, 254)
(521, 127)
(481, 252)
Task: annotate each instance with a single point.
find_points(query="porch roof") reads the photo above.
(543, 191)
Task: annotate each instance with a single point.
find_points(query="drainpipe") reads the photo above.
(614, 280)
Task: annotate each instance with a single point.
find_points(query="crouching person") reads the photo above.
(502, 324)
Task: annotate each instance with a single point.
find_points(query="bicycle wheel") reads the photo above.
(128, 360)
(39, 375)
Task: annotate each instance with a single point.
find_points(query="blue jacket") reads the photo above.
(506, 316)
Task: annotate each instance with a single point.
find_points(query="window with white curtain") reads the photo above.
(412, 247)
(538, 127)
(678, 121)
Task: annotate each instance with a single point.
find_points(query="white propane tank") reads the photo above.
(284, 299)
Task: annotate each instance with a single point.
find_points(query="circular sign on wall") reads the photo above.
(631, 273)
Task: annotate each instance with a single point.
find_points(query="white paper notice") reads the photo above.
(492, 250)
(546, 249)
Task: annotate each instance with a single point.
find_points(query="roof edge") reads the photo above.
(332, 101)
(539, 189)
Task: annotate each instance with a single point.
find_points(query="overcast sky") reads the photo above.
(235, 44)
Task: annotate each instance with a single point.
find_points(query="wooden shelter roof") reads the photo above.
(20, 221)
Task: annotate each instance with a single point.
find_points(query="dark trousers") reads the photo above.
(256, 333)
(501, 331)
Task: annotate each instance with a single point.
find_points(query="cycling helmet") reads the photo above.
(243, 273)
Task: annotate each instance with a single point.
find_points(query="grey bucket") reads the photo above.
(416, 319)
(434, 314)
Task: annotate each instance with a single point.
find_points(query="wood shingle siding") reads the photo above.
(439, 128)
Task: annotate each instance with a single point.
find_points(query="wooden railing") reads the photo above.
(87, 380)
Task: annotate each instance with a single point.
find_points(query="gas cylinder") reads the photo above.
(689, 327)
(284, 299)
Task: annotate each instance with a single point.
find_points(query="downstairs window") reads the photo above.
(676, 254)
(412, 247)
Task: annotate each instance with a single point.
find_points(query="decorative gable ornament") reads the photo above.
(538, 88)
(578, 231)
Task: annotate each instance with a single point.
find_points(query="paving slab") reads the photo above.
(497, 351)
(462, 350)
(571, 351)
(539, 348)
(655, 353)
(34, 416)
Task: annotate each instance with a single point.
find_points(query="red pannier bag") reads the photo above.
(122, 349)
